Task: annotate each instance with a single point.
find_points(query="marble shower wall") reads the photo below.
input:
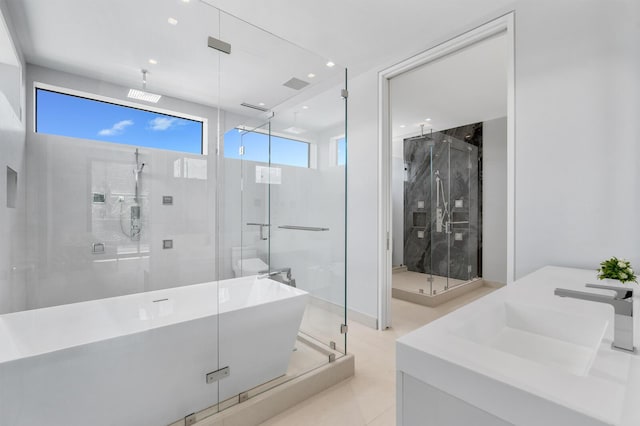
(453, 156)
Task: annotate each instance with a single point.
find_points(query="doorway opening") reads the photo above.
(446, 145)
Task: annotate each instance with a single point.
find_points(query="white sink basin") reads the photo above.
(548, 337)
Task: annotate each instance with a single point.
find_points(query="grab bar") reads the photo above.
(303, 228)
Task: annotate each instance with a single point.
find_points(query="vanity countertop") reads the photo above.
(519, 390)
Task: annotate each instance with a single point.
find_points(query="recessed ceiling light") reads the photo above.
(305, 107)
(427, 119)
(172, 21)
(330, 64)
(153, 62)
(402, 126)
(294, 130)
(311, 75)
(261, 104)
(186, 1)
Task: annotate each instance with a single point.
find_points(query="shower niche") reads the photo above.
(442, 207)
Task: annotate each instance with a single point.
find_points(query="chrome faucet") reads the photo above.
(622, 304)
(271, 272)
(275, 274)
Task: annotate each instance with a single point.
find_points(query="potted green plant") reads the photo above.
(617, 269)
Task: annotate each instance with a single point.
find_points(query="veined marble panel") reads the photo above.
(443, 178)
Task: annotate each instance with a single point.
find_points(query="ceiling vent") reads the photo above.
(259, 108)
(296, 84)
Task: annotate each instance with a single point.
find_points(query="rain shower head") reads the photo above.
(143, 95)
(427, 138)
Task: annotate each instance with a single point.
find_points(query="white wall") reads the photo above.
(13, 262)
(63, 223)
(362, 195)
(494, 200)
(11, 86)
(577, 94)
(577, 151)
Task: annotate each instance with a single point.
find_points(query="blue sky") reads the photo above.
(283, 151)
(342, 151)
(77, 117)
(67, 115)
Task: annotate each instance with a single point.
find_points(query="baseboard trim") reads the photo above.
(352, 315)
(494, 284)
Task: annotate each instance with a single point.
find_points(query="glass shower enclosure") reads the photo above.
(283, 195)
(442, 211)
(152, 285)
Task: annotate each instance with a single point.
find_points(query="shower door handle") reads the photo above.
(303, 228)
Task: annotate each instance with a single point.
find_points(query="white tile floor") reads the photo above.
(369, 397)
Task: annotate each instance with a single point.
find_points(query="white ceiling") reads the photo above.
(112, 40)
(362, 34)
(466, 87)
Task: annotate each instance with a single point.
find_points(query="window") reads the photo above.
(342, 151)
(284, 151)
(81, 117)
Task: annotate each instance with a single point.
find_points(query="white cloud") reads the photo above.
(162, 123)
(116, 129)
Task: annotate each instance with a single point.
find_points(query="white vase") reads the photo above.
(616, 283)
(611, 282)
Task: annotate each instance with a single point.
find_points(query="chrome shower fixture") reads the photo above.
(135, 210)
(143, 95)
(136, 173)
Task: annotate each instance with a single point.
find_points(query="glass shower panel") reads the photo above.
(308, 212)
(463, 241)
(441, 210)
(121, 278)
(280, 186)
(455, 198)
(440, 190)
(419, 207)
(252, 257)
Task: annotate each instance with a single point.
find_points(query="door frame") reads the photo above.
(502, 24)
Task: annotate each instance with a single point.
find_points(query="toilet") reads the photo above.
(245, 262)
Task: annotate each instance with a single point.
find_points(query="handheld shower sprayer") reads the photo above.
(136, 173)
(134, 210)
(136, 224)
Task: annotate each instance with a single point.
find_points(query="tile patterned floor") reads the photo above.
(368, 398)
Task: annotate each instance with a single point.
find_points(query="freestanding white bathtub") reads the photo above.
(142, 359)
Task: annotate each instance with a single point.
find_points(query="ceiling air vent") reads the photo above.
(296, 84)
(259, 108)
